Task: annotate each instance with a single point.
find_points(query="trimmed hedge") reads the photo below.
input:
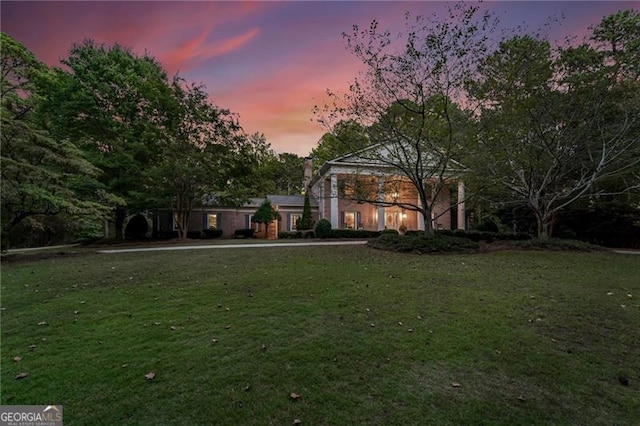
(554, 244)
(243, 233)
(485, 235)
(296, 234)
(421, 244)
(353, 233)
(211, 233)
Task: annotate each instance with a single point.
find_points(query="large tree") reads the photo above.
(42, 175)
(344, 138)
(116, 106)
(558, 122)
(206, 157)
(408, 96)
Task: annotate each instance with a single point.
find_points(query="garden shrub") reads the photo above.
(211, 233)
(323, 229)
(488, 225)
(423, 244)
(136, 228)
(554, 244)
(487, 236)
(243, 233)
(353, 233)
(295, 234)
(389, 232)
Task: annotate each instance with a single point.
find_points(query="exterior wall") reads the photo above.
(229, 219)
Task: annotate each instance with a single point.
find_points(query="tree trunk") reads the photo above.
(428, 228)
(545, 224)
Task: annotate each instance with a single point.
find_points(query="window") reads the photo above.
(212, 221)
(350, 220)
(293, 222)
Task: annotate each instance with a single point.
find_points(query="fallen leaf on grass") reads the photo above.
(150, 375)
(173, 327)
(17, 359)
(42, 323)
(20, 376)
(294, 396)
(214, 340)
(455, 384)
(297, 421)
(32, 347)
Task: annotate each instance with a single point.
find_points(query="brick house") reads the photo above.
(342, 185)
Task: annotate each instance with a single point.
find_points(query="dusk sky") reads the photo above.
(269, 62)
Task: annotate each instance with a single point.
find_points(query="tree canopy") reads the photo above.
(571, 123)
(42, 174)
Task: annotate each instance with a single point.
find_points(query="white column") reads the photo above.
(462, 214)
(381, 208)
(335, 223)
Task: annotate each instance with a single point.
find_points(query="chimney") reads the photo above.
(308, 172)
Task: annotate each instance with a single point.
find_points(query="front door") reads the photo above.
(393, 219)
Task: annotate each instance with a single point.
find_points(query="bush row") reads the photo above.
(296, 234)
(554, 244)
(438, 243)
(485, 235)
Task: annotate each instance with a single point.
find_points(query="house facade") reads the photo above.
(230, 219)
(357, 192)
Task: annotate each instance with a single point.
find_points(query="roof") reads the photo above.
(282, 201)
(380, 156)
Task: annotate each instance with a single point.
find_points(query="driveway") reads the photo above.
(233, 246)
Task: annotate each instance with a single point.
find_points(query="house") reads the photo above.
(230, 219)
(355, 191)
(360, 191)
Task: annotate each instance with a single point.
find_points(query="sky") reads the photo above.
(268, 61)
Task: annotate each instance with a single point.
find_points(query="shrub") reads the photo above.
(389, 232)
(211, 233)
(422, 244)
(243, 233)
(305, 222)
(323, 228)
(488, 225)
(554, 244)
(489, 237)
(136, 228)
(353, 233)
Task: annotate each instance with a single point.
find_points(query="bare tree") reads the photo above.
(408, 98)
(556, 123)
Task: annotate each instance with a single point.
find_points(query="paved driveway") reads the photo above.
(233, 246)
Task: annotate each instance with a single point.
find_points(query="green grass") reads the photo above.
(364, 336)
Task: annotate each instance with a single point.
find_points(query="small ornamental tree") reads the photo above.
(266, 214)
(305, 222)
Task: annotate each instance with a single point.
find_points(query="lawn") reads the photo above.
(361, 336)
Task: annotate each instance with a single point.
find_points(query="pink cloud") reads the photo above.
(198, 49)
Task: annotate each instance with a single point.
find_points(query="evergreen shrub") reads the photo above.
(323, 229)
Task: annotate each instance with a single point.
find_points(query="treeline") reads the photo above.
(545, 135)
(110, 134)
